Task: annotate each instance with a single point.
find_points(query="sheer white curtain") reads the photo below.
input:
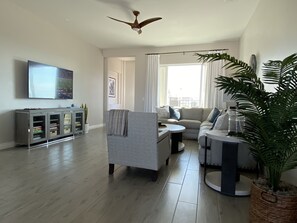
(152, 73)
(213, 96)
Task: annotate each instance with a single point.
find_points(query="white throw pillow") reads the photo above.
(222, 122)
(215, 112)
(163, 112)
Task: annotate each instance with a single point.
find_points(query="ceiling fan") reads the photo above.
(135, 25)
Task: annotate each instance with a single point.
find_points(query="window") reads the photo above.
(181, 85)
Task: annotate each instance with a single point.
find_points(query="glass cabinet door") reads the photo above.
(38, 128)
(79, 122)
(54, 125)
(67, 123)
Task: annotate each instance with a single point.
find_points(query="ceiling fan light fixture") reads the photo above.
(138, 30)
(136, 26)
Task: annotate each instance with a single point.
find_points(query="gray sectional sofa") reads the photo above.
(190, 118)
(214, 154)
(196, 122)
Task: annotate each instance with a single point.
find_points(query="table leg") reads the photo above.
(175, 139)
(229, 175)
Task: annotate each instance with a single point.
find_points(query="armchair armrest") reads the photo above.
(162, 134)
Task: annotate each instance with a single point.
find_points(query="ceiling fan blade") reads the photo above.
(148, 21)
(128, 23)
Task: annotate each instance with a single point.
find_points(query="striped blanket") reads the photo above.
(118, 122)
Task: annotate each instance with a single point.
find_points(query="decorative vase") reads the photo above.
(270, 207)
(232, 121)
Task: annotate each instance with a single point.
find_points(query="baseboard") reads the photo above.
(7, 145)
(96, 126)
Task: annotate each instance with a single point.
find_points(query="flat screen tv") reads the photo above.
(49, 82)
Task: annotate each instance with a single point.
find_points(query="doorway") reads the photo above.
(120, 83)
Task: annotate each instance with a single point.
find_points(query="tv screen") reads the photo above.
(46, 81)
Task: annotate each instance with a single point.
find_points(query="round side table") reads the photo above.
(176, 132)
(228, 181)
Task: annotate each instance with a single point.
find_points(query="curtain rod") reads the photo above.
(191, 51)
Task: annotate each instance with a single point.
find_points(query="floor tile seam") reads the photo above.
(187, 202)
(181, 189)
(172, 166)
(174, 212)
(198, 196)
(198, 192)
(218, 208)
(163, 188)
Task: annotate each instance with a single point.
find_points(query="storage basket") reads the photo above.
(272, 208)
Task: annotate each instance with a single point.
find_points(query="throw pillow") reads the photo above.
(222, 122)
(174, 113)
(215, 121)
(213, 115)
(163, 112)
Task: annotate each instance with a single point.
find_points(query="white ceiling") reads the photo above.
(184, 22)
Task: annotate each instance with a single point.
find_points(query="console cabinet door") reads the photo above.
(67, 123)
(54, 125)
(38, 128)
(79, 124)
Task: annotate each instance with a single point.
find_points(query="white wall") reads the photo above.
(140, 61)
(23, 37)
(271, 34)
(129, 85)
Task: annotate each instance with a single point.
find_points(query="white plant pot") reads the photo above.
(87, 125)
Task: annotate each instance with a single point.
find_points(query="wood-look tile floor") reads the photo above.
(69, 182)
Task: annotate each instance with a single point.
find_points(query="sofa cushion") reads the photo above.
(174, 113)
(190, 124)
(163, 112)
(206, 123)
(222, 122)
(213, 115)
(206, 112)
(191, 113)
(215, 121)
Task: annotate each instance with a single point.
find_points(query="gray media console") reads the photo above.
(35, 126)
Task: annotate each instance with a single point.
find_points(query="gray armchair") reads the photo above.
(144, 146)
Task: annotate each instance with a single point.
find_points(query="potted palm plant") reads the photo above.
(271, 130)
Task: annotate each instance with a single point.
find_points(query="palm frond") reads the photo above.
(274, 69)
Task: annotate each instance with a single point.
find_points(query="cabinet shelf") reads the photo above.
(36, 122)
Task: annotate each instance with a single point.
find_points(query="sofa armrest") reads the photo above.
(202, 135)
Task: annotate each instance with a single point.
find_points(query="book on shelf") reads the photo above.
(37, 129)
(54, 133)
(67, 121)
(67, 130)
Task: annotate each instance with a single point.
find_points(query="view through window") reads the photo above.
(181, 85)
